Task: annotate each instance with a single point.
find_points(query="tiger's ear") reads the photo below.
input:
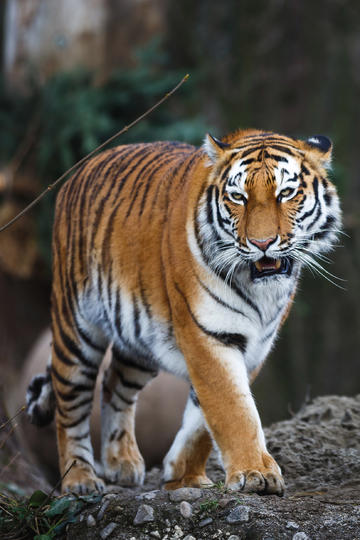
(322, 146)
(214, 147)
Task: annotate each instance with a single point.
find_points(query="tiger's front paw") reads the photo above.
(262, 478)
(82, 481)
(123, 463)
(198, 481)
(126, 473)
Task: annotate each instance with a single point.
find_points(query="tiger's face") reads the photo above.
(272, 206)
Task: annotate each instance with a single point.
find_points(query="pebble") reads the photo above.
(185, 494)
(238, 514)
(108, 530)
(178, 533)
(155, 534)
(102, 510)
(109, 496)
(292, 525)
(189, 537)
(185, 509)
(144, 514)
(300, 536)
(205, 522)
(90, 521)
(148, 496)
(224, 501)
(234, 537)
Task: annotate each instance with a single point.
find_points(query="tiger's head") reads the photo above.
(268, 206)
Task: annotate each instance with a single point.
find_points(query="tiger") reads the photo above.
(184, 259)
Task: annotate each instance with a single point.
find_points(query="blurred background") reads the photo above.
(73, 73)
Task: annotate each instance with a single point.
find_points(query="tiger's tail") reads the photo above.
(40, 399)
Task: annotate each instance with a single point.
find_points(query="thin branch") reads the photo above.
(56, 486)
(123, 130)
(21, 410)
(11, 462)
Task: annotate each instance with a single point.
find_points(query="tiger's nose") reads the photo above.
(262, 244)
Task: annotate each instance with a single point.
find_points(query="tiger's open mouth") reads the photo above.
(266, 267)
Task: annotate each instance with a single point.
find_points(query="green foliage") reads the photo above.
(74, 116)
(209, 505)
(39, 516)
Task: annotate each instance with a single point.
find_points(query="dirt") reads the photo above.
(319, 453)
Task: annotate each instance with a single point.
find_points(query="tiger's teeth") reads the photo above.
(258, 265)
(277, 264)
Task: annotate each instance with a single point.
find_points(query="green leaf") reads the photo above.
(37, 498)
(59, 506)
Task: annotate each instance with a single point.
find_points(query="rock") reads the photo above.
(238, 514)
(300, 536)
(185, 509)
(102, 510)
(224, 501)
(234, 537)
(189, 537)
(178, 532)
(148, 495)
(108, 530)
(155, 534)
(90, 521)
(292, 525)
(144, 514)
(185, 494)
(205, 522)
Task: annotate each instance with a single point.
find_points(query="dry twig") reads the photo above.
(123, 130)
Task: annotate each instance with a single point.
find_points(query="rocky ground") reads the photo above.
(319, 452)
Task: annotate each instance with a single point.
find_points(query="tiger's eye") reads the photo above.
(287, 192)
(238, 197)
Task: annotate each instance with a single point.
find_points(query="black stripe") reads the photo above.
(80, 458)
(128, 384)
(118, 326)
(74, 392)
(136, 317)
(193, 397)
(130, 362)
(89, 342)
(318, 214)
(76, 422)
(221, 220)
(115, 408)
(120, 396)
(87, 401)
(68, 342)
(234, 340)
(209, 210)
(217, 299)
(144, 299)
(316, 194)
(283, 149)
(135, 188)
(62, 356)
(81, 436)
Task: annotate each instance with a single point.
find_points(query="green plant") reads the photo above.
(209, 505)
(73, 116)
(39, 516)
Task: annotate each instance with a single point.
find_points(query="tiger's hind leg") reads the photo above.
(76, 356)
(121, 458)
(185, 463)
